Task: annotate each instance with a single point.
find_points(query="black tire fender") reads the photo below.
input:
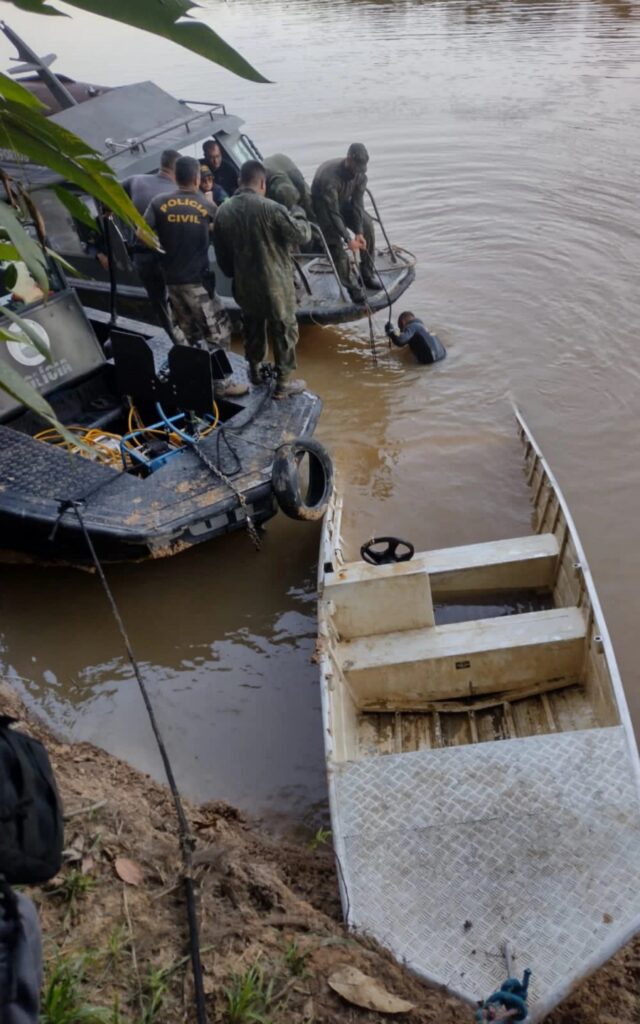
(286, 482)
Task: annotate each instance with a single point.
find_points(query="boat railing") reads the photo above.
(329, 258)
(378, 218)
(140, 143)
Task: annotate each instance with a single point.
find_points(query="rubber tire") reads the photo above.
(285, 479)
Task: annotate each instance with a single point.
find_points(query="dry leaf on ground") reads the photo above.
(361, 990)
(128, 871)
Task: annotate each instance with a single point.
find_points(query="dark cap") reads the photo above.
(205, 171)
(358, 153)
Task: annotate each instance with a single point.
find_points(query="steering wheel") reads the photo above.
(394, 550)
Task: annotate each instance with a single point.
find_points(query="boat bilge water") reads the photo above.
(130, 126)
(483, 772)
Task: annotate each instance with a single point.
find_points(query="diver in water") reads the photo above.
(426, 347)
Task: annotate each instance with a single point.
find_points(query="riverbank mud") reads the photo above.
(114, 922)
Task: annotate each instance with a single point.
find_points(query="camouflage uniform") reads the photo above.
(199, 316)
(252, 237)
(338, 200)
(286, 184)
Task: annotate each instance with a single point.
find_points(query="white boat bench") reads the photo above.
(400, 596)
(403, 670)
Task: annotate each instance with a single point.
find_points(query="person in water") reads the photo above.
(426, 347)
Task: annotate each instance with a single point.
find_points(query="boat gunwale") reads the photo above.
(329, 549)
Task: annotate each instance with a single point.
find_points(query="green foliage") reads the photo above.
(117, 945)
(62, 1000)
(73, 888)
(154, 991)
(168, 18)
(295, 959)
(321, 838)
(248, 997)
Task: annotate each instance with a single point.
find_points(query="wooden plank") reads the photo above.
(473, 704)
(546, 705)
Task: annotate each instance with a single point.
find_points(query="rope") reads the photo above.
(508, 1003)
(186, 837)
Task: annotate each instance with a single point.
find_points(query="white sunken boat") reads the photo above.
(484, 778)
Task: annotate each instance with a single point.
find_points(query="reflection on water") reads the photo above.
(504, 153)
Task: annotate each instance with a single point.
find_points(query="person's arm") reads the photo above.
(357, 203)
(150, 217)
(330, 199)
(292, 225)
(399, 339)
(223, 251)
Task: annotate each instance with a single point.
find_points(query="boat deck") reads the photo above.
(394, 732)
(448, 854)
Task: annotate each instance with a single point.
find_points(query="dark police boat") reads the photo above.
(130, 126)
(153, 463)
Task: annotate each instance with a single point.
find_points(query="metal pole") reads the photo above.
(394, 258)
(316, 227)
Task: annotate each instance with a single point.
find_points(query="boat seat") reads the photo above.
(407, 668)
(369, 600)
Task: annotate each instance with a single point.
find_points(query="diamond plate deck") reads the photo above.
(447, 853)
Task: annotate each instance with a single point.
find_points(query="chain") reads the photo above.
(251, 527)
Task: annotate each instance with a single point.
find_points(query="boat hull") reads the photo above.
(467, 826)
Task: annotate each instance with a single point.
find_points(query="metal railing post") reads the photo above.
(394, 258)
(343, 291)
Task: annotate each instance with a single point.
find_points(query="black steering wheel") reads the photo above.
(385, 550)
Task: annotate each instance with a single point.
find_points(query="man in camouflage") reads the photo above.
(338, 199)
(183, 220)
(253, 237)
(286, 184)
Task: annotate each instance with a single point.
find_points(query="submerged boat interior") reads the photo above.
(468, 644)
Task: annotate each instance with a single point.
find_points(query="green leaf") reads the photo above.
(12, 90)
(49, 145)
(70, 269)
(26, 328)
(75, 206)
(26, 394)
(8, 251)
(168, 18)
(29, 250)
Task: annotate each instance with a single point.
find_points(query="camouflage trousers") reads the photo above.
(284, 338)
(199, 317)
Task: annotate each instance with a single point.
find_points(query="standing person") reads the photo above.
(426, 347)
(338, 198)
(141, 189)
(224, 173)
(252, 238)
(183, 220)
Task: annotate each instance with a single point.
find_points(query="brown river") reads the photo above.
(504, 152)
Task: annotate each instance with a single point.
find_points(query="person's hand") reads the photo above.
(388, 329)
(353, 245)
(102, 260)
(360, 239)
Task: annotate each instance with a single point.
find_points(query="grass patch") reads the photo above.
(249, 997)
(62, 998)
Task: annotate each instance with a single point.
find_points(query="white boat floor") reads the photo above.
(446, 854)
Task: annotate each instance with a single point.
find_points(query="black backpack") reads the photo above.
(31, 826)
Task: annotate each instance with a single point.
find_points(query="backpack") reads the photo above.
(31, 825)
(20, 958)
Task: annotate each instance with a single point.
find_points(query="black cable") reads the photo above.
(186, 838)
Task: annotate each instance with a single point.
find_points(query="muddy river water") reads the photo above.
(504, 153)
